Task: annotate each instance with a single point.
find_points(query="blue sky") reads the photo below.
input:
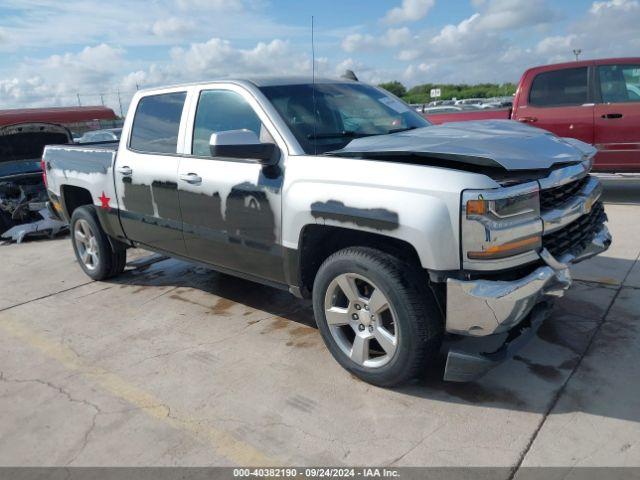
(52, 50)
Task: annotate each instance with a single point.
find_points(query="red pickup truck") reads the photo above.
(596, 101)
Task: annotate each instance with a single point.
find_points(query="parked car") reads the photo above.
(105, 135)
(23, 195)
(440, 103)
(596, 101)
(442, 109)
(470, 101)
(408, 237)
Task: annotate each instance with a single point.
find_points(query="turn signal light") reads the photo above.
(508, 249)
(476, 207)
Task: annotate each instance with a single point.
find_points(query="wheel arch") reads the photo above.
(73, 197)
(317, 242)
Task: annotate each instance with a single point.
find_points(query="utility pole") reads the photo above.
(102, 99)
(577, 52)
(78, 95)
(120, 103)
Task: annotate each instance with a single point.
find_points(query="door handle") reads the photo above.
(191, 178)
(528, 119)
(612, 115)
(126, 171)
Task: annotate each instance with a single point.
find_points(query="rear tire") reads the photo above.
(388, 328)
(97, 255)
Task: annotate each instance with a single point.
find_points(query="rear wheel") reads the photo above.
(95, 253)
(376, 315)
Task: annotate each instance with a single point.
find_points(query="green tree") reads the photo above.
(420, 93)
(395, 87)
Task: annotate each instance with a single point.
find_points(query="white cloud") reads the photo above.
(67, 24)
(219, 58)
(495, 43)
(236, 5)
(409, 11)
(395, 37)
(619, 5)
(608, 29)
(556, 45)
(358, 41)
(171, 26)
(57, 79)
(95, 67)
(514, 14)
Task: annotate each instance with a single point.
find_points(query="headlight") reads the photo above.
(502, 227)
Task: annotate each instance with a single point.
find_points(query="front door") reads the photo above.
(617, 118)
(146, 175)
(230, 208)
(560, 102)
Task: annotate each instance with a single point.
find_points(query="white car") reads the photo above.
(106, 135)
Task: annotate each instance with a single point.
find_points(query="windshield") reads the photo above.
(343, 112)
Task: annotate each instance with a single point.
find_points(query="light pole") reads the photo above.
(577, 52)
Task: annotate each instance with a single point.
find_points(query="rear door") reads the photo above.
(231, 208)
(560, 101)
(617, 117)
(146, 173)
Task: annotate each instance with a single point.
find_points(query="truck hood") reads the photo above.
(493, 144)
(21, 146)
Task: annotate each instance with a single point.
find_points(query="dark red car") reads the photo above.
(596, 101)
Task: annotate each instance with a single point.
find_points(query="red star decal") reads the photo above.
(104, 200)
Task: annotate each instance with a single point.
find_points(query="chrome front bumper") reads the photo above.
(487, 307)
(491, 320)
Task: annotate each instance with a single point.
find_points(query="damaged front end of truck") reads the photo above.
(23, 194)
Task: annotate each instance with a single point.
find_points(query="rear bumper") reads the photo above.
(492, 315)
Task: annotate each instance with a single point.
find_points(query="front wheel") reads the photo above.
(376, 315)
(95, 253)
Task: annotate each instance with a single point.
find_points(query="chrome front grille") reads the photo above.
(577, 234)
(572, 214)
(556, 196)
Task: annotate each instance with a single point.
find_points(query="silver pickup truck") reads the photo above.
(412, 240)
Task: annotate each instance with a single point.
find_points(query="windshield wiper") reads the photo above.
(343, 134)
(398, 130)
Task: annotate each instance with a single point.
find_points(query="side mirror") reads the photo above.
(242, 144)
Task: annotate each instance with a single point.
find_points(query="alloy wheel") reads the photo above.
(87, 244)
(361, 320)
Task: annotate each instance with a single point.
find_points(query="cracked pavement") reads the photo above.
(172, 364)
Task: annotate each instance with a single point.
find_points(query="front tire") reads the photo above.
(95, 253)
(376, 315)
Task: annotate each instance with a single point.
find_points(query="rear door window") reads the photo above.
(157, 122)
(619, 83)
(560, 88)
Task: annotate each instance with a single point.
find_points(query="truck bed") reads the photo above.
(87, 166)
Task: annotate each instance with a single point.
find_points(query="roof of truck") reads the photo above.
(586, 63)
(259, 81)
(300, 80)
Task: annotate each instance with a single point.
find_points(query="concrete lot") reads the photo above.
(172, 364)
